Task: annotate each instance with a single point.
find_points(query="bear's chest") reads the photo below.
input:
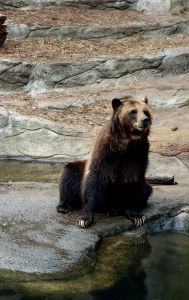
(126, 170)
(129, 171)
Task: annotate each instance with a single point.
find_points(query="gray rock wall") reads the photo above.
(88, 4)
(14, 76)
(154, 6)
(100, 33)
(40, 77)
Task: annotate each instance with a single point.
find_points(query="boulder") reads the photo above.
(161, 6)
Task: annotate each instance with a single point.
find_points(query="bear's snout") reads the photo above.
(145, 121)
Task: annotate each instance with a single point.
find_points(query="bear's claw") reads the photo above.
(139, 221)
(83, 223)
(62, 208)
(137, 218)
(86, 220)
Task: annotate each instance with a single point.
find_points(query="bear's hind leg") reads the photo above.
(70, 187)
(144, 196)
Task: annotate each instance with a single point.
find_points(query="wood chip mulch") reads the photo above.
(70, 16)
(41, 49)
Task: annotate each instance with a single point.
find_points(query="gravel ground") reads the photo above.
(41, 49)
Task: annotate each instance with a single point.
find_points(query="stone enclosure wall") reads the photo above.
(155, 6)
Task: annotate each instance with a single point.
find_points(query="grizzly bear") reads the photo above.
(112, 180)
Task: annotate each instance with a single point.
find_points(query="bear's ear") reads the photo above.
(116, 103)
(145, 100)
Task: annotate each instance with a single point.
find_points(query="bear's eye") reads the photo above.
(133, 113)
(146, 113)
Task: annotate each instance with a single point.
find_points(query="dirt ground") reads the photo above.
(90, 115)
(43, 49)
(66, 16)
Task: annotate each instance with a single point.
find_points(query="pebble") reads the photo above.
(174, 128)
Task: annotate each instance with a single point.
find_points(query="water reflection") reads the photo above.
(167, 267)
(145, 269)
(115, 269)
(31, 171)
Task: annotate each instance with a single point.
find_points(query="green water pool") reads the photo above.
(153, 268)
(30, 171)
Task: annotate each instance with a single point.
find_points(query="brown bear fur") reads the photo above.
(112, 180)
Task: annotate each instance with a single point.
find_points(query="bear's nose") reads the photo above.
(145, 121)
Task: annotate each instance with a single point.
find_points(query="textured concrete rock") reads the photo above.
(59, 75)
(34, 238)
(14, 76)
(174, 61)
(170, 131)
(44, 102)
(184, 157)
(31, 137)
(162, 6)
(18, 30)
(100, 33)
(169, 92)
(41, 77)
(88, 4)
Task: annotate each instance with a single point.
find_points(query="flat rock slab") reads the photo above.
(32, 137)
(88, 4)
(35, 239)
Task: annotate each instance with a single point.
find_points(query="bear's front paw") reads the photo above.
(137, 218)
(85, 220)
(63, 208)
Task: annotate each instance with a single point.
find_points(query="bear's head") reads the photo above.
(132, 118)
